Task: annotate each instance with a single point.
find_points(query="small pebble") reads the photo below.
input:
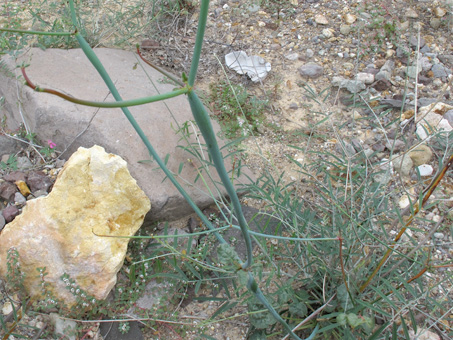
(425, 170)
(439, 236)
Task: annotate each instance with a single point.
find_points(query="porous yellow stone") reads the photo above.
(93, 195)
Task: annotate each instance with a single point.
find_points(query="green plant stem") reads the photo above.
(12, 30)
(202, 18)
(204, 124)
(253, 287)
(108, 105)
(103, 73)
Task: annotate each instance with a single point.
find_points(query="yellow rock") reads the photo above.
(93, 195)
(23, 188)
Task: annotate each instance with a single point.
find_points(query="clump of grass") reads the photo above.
(239, 113)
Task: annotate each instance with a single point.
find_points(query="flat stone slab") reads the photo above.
(71, 126)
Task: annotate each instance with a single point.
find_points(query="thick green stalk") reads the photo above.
(204, 124)
(103, 73)
(203, 17)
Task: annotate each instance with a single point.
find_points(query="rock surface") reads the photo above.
(94, 193)
(64, 123)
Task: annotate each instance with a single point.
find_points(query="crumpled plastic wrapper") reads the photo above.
(255, 67)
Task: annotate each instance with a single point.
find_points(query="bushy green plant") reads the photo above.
(239, 113)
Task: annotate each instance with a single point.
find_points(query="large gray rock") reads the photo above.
(51, 117)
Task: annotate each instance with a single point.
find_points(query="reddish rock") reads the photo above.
(37, 180)
(15, 176)
(7, 191)
(382, 85)
(10, 212)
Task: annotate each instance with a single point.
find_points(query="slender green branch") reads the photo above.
(13, 30)
(253, 287)
(109, 105)
(199, 41)
(159, 69)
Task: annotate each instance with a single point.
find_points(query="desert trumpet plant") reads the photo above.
(203, 121)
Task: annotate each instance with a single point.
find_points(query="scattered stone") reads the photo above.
(23, 188)
(439, 236)
(424, 80)
(349, 18)
(435, 23)
(439, 12)
(381, 85)
(353, 86)
(411, 13)
(449, 117)
(23, 163)
(345, 29)
(430, 119)
(385, 172)
(423, 334)
(309, 53)
(422, 102)
(2, 221)
(37, 180)
(321, 19)
(7, 191)
(9, 213)
(395, 145)
(425, 170)
(19, 199)
(152, 295)
(94, 195)
(446, 59)
(8, 145)
(394, 103)
(422, 154)
(413, 40)
(425, 64)
(379, 147)
(408, 114)
(356, 144)
(403, 164)
(348, 66)
(327, 33)
(111, 331)
(293, 106)
(15, 176)
(63, 328)
(39, 193)
(413, 71)
(385, 72)
(292, 56)
(404, 202)
(7, 308)
(311, 70)
(345, 147)
(366, 78)
(403, 53)
(425, 49)
(440, 71)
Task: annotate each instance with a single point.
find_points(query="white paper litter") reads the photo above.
(255, 67)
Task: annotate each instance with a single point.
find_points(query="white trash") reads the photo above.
(255, 67)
